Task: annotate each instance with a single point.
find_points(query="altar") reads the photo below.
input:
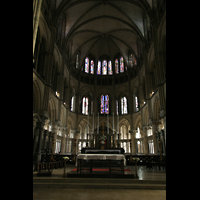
(102, 159)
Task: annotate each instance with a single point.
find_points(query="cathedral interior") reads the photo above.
(99, 78)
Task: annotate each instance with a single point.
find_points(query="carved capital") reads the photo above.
(162, 114)
(150, 122)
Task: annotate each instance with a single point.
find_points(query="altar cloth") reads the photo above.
(101, 157)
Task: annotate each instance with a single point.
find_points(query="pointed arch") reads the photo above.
(36, 97)
(156, 109)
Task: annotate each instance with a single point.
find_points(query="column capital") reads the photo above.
(35, 120)
(132, 131)
(162, 114)
(145, 128)
(156, 123)
(150, 122)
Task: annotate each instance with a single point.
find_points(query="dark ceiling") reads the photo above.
(104, 28)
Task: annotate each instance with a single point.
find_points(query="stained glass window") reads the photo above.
(99, 68)
(138, 135)
(104, 104)
(131, 60)
(117, 107)
(135, 62)
(124, 105)
(104, 67)
(110, 72)
(121, 64)
(116, 66)
(72, 103)
(77, 61)
(136, 104)
(87, 65)
(92, 67)
(85, 106)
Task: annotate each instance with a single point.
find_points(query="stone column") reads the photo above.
(34, 125)
(46, 134)
(163, 116)
(39, 143)
(133, 142)
(35, 142)
(36, 17)
(49, 140)
(64, 131)
(146, 149)
(155, 129)
(54, 129)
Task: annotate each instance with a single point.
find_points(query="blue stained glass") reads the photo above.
(116, 67)
(92, 67)
(110, 68)
(99, 68)
(106, 104)
(87, 65)
(121, 64)
(104, 70)
(102, 104)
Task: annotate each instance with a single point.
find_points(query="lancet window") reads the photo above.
(87, 65)
(124, 105)
(85, 106)
(121, 64)
(104, 104)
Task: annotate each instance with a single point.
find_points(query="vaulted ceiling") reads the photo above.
(103, 27)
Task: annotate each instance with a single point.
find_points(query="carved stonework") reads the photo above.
(150, 122)
(162, 114)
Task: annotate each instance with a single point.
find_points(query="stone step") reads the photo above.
(95, 180)
(100, 184)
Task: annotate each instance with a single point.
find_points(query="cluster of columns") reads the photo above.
(156, 138)
(45, 139)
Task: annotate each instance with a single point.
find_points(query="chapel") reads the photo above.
(99, 74)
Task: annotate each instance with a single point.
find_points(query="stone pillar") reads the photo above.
(54, 129)
(39, 143)
(34, 125)
(50, 141)
(35, 142)
(64, 131)
(146, 149)
(155, 129)
(46, 134)
(36, 17)
(163, 116)
(133, 142)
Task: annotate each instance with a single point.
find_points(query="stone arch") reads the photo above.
(36, 97)
(146, 117)
(62, 117)
(52, 110)
(42, 58)
(137, 122)
(156, 109)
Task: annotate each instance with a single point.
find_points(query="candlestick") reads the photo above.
(113, 124)
(93, 124)
(98, 124)
(107, 124)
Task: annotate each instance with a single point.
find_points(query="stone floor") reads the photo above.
(143, 173)
(95, 193)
